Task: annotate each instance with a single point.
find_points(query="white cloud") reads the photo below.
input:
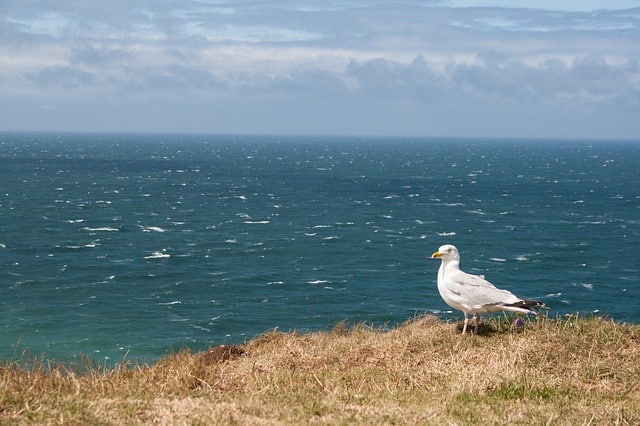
(564, 5)
(347, 67)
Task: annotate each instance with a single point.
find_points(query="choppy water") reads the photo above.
(143, 244)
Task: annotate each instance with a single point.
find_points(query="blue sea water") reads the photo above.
(137, 245)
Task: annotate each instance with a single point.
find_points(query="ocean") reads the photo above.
(134, 246)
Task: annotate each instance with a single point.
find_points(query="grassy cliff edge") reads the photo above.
(554, 371)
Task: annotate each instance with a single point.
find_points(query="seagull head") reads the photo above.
(446, 252)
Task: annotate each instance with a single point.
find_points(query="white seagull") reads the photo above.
(472, 294)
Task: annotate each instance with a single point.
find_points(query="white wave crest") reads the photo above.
(101, 229)
(158, 255)
(153, 229)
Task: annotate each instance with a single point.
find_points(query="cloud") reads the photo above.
(332, 67)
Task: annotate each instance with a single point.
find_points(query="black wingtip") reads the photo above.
(527, 304)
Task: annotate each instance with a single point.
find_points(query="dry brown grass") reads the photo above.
(569, 371)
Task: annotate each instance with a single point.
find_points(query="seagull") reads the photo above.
(472, 294)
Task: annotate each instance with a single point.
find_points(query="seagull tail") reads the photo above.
(524, 305)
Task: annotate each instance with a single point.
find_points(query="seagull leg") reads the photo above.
(477, 322)
(466, 322)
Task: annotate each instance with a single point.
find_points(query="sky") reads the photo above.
(430, 68)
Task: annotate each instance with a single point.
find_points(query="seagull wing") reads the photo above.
(477, 294)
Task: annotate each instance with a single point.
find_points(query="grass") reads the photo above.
(567, 371)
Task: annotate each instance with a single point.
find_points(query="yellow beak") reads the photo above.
(436, 254)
